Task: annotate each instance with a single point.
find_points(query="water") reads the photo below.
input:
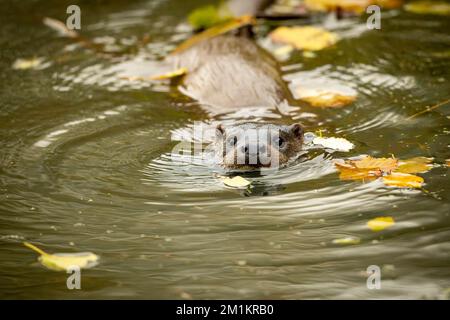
(85, 166)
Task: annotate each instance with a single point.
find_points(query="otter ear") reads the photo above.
(220, 131)
(297, 130)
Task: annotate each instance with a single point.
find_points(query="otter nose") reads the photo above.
(252, 149)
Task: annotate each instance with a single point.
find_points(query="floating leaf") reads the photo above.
(414, 165)
(339, 144)
(347, 240)
(329, 99)
(383, 164)
(323, 92)
(236, 182)
(170, 75)
(380, 223)
(63, 261)
(429, 7)
(214, 32)
(24, 64)
(350, 172)
(208, 16)
(304, 38)
(355, 6)
(403, 180)
(447, 162)
(366, 168)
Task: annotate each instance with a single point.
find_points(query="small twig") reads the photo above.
(429, 109)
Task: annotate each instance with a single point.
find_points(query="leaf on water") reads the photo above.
(414, 165)
(215, 31)
(355, 6)
(304, 38)
(24, 64)
(367, 168)
(447, 162)
(403, 180)
(429, 7)
(347, 240)
(350, 172)
(380, 223)
(170, 75)
(328, 99)
(339, 144)
(324, 93)
(208, 16)
(236, 182)
(63, 261)
(386, 165)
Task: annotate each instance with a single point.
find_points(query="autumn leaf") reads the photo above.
(24, 64)
(236, 182)
(328, 99)
(64, 261)
(215, 31)
(208, 16)
(304, 38)
(447, 162)
(367, 168)
(403, 180)
(383, 164)
(414, 165)
(380, 223)
(347, 240)
(355, 6)
(339, 144)
(324, 93)
(350, 172)
(429, 7)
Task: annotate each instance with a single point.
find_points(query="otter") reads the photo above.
(230, 72)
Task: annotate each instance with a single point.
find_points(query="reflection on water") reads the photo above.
(86, 165)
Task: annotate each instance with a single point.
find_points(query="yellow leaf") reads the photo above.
(383, 164)
(215, 31)
(350, 172)
(368, 168)
(414, 165)
(23, 64)
(304, 38)
(429, 7)
(380, 223)
(447, 162)
(347, 240)
(170, 75)
(236, 182)
(329, 99)
(328, 93)
(403, 180)
(355, 6)
(63, 261)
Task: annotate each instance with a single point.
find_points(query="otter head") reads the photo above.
(252, 146)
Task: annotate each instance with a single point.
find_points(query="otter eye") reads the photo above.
(280, 142)
(233, 140)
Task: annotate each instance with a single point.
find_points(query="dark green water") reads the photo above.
(85, 166)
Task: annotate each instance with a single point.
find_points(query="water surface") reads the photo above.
(85, 166)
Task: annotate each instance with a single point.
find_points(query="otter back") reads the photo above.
(229, 72)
